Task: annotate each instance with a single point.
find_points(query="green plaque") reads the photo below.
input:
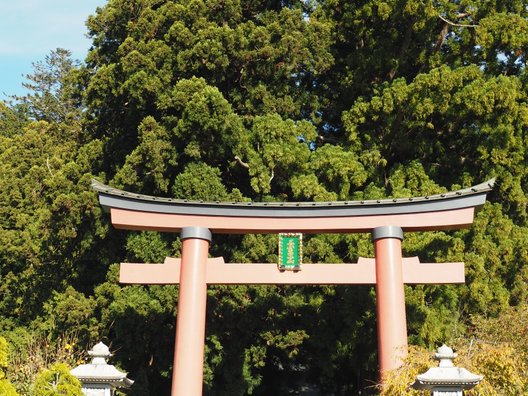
(290, 252)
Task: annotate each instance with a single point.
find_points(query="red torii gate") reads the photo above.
(196, 220)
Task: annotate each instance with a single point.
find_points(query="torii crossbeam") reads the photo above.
(196, 220)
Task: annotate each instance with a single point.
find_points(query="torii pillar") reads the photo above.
(390, 297)
(190, 327)
(386, 220)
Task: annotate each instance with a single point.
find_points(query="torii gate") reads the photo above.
(196, 220)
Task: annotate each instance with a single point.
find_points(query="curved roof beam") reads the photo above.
(474, 197)
(437, 212)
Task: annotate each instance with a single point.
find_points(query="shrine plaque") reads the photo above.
(290, 251)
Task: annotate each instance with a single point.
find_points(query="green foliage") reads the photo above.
(57, 381)
(12, 119)
(208, 187)
(4, 353)
(69, 312)
(268, 101)
(5, 386)
(32, 352)
(50, 221)
(7, 389)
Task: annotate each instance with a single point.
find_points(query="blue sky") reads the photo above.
(30, 29)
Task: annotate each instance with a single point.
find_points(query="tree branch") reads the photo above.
(456, 24)
(441, 36)
(48, 165)
(240, 162)
(406, 42)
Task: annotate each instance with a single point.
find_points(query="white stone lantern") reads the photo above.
(99, 378)
(446, 379)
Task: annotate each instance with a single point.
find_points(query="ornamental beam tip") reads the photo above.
(97, 185)
(491, 183)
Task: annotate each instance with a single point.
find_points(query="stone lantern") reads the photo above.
(99, 378)
(446, 379)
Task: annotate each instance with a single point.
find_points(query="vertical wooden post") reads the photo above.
(187, 377)
(390, 296)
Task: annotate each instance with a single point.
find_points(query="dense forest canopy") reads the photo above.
(264, 101)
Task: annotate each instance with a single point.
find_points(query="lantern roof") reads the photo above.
(446, 374)
(98, 371)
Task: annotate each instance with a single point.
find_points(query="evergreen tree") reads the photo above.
(6, 388)
(267, 101)
(52, 89)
